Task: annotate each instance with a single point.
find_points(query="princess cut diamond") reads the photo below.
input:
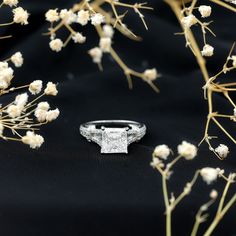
(114, 140)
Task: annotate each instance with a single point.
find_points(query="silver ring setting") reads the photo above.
(113, 136)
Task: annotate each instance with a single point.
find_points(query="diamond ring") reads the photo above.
(113, 136)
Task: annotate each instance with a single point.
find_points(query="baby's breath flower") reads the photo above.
(40, 114)
(156, 162)
(6, 75)
(52, 15)
(83, 17)
(79, 38)
(213, 194)
(68, 16)
(97, 19)
(43, 106)
(151, 74)
(3, 65)
(187, 150)
(51, 89)
(105, 44)
(108, 31)
(205, 11)
(41, 111)
(20, 16)
(189, 21)
(222, 150)
(14, 111)
(162, 151)
(35, 87)
(56, 45)
(52, 115)
(207, 51)
(21, 99)
(17, 59)
(96, 54)
(33, 140)
(220, 171)
(10, 3)
(209, 174)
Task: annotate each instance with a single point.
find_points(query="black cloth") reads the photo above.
(67, 187)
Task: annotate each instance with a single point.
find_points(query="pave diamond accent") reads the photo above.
(114, 140)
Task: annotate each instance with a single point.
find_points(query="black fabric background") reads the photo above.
(67, 187)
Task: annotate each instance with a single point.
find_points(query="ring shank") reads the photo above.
(92, 130)
(124, 123)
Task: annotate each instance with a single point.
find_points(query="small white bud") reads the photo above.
(187, 150)
(162, 151)
(207, 51)
(56, 45)
(205, 11)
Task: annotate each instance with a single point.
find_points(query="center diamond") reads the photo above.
(114, 140)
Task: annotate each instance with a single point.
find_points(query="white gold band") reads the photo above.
(113, 136)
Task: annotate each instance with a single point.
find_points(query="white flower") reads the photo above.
(68, 16)
(35, 87)
(187, 150)
(1, 129)
(162, 151)
(83, 17)
(209, 174)
(79, 38)
(207, 51)
(205, 11)
(213, 194)
(43, 106)
(96, 54)
(14, 111)
(220, 171)
(17, 59)
(3, 65)
(6, 75)
(51, 89)
(151, 74)
(234, 61)
(97, 19)
(21, 99)
(41, 111)
(222, 150)
(108, 31)
(156, 162)
(56, 45)
(189, 21)
(52, 115)
(40, 114)
(33, 140)
(52, 15)
(20, 16)
(105, 44)
(10, 3)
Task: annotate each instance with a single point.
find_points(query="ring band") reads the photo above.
(113, 136)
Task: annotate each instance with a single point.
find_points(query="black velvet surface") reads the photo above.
(67, 187)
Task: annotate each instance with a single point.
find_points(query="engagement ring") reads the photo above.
(113, 136)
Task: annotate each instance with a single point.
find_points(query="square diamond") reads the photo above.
(114, 140)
